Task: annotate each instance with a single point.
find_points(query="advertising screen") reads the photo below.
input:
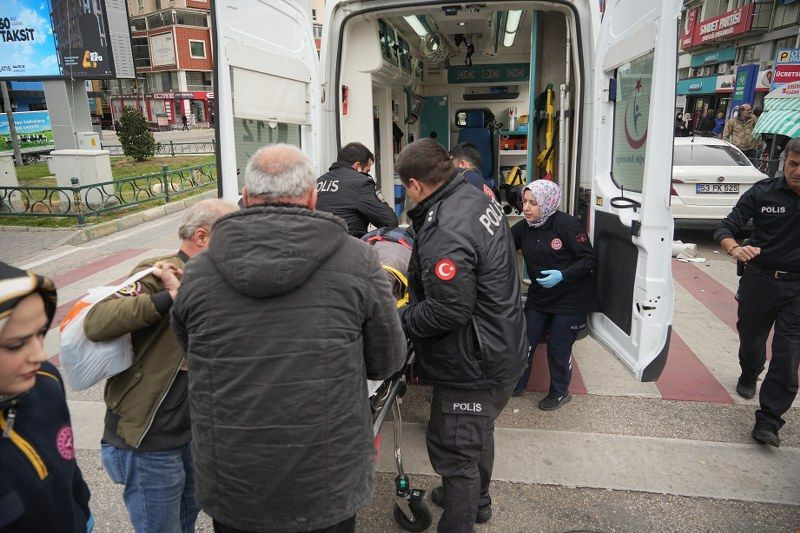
(59, 39)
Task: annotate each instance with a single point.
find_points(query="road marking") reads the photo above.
(622, 462)
(686, 377)
(540, 374)
(105, 241)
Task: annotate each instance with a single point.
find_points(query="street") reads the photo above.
(674, 455)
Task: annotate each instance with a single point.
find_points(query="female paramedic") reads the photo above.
(41, 486)
(560, 258)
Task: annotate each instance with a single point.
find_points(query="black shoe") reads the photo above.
(746, 386)
(484, 512)
(766, 433)
(553, 401)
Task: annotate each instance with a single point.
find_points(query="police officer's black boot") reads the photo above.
(766, 433)
(484, 512)
(746, 386)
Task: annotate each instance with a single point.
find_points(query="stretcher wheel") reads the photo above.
(422, 516)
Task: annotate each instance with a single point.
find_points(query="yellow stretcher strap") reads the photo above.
(26, 448)
(403, 280)
(546, 157)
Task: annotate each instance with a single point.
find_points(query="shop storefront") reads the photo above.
(701, 94)
(166, 109)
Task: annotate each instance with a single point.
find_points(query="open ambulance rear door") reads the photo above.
(631, 222)
(268, 83)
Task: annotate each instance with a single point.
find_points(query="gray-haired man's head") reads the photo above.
(280, 174)
(195, 228)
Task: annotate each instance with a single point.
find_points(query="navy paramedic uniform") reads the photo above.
(474, 178)
(466, 322)
(769, 292)
(352, 196)
(561, 243)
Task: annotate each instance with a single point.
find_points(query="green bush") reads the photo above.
(137, 142)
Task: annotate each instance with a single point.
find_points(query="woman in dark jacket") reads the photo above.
(560, 258)
(41, 486)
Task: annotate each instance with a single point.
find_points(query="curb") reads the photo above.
(104, 229)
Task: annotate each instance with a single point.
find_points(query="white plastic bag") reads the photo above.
(87, 363)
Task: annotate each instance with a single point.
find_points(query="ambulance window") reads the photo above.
(250, 135)
(631, 116)
(386, 34)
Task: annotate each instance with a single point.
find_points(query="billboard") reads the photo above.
(734, 22)
(44, 39)
(787, 67)
(33, 129)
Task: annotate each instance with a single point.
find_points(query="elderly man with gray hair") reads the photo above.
(284, 319)
(146, 438)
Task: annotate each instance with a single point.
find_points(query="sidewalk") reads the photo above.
(193, 135)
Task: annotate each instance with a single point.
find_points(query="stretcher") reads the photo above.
(411, 510)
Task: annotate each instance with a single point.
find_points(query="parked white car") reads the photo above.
(708, 177)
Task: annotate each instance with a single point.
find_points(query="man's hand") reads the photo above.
(745, 253)
(169, 275)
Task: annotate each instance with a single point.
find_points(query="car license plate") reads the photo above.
(723, 188)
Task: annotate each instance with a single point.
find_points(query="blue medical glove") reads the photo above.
(551, 278)
(90, 523)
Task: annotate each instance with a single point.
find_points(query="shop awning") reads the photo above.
(781, 112)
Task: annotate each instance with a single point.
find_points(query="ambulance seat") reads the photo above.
(477, 133)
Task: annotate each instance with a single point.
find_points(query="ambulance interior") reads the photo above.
(464, 73)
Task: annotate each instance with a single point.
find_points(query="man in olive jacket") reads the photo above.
(146, 438)
(284, 319)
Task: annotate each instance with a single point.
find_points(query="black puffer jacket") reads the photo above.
(283, 319)
(465, 315)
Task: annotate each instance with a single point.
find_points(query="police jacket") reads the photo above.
(775, 211)
(353, 197)
(284, 318)
(465, 314)
(41, 486)
(146, 406)
(561, 243)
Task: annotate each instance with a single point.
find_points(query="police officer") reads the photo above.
(465, 320)
(348, 191)
(467, 159)
(769, 291)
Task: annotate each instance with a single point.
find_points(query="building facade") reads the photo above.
(172, 51)
(727, 50)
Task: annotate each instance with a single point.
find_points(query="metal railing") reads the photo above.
(174, 148)
(82, 201)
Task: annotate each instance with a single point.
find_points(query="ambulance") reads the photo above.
(578, 91)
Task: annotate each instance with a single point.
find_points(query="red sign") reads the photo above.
(786, 73)
(687, 32)
(733, 22)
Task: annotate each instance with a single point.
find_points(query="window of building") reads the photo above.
(140, 4)
(197, 49)
(751, 53)
(138, 24)
(159, 20)
(198, 81)
(191, 18)
(787, 42)
(786, 15)
(141, 52)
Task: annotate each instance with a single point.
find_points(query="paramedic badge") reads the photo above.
(582, 238)
(380, 196)
(133, 289)
(445, 270)
(556, 244)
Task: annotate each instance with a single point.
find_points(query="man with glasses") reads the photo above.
(349, 192)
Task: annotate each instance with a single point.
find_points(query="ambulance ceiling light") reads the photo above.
(512, 25)
(417, 25)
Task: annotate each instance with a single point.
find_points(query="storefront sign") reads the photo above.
(711, 58)
(705, 85)
(725, 83)
(163, 96)
(764, 81)
(744, 90)
(689, 24)
(787, 67)
(733, 22)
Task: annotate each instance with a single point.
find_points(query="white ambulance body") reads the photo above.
(613, 76)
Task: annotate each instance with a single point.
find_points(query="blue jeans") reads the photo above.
(562, 329)
(159, 487)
